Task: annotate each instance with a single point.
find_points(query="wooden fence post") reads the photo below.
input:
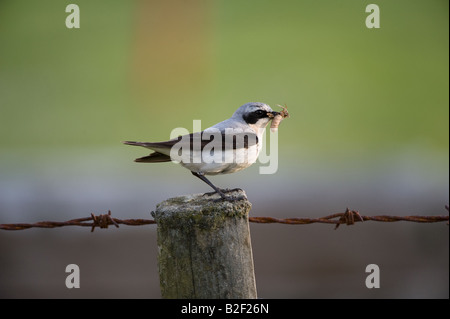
(204, 247)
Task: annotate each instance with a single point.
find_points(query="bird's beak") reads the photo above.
(272, 114)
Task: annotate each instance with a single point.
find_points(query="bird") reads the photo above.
(226, 147)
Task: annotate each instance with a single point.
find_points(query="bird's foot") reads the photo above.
(222, 192)
(227, 190)
(210, 193)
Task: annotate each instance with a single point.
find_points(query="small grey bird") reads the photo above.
(227, 147)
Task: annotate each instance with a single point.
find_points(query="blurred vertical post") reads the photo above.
(204, 248)
(172, 53)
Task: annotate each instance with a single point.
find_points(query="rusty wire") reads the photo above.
(102, 221)
(349, 217)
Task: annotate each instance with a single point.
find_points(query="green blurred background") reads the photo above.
(369, 128)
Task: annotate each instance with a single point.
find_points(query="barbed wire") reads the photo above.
(349, 217)
(102, 221)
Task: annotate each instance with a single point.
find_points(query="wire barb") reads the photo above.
(103, 221)
(349, 217)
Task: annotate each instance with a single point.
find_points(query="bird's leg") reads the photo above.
(218, 190)
(203, 178)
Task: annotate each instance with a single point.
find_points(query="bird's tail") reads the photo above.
(134, 143)
(152, 146)
(155, 157)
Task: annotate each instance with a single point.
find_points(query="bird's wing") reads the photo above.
(219, 139)
(230, 140)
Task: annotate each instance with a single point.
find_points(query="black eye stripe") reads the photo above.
(253, 117)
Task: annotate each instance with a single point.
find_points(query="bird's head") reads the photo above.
(255, 114)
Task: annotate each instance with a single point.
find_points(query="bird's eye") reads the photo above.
(260, 112)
